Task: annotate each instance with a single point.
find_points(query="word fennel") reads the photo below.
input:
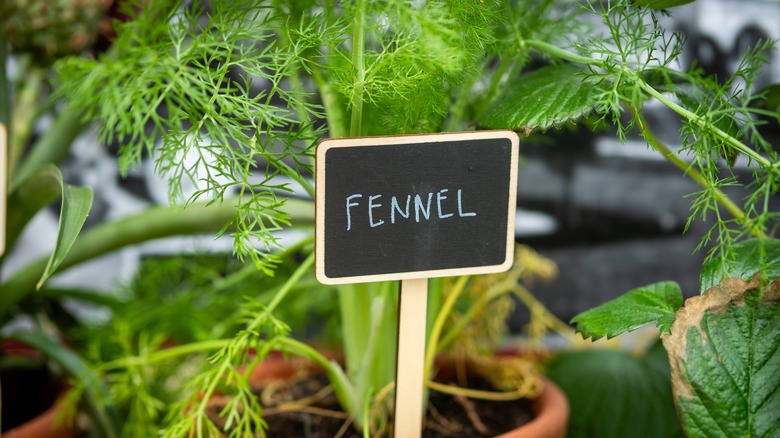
(422, 207)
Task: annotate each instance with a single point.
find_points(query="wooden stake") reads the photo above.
(3, 185)
(410, 362)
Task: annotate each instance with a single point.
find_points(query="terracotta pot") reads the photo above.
(551, 407)
(18, 384)
(44, 426)
(552, 415)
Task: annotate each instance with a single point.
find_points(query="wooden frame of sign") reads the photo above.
(415, 206)
(409, 208)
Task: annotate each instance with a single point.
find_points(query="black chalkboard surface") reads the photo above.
(400, 207)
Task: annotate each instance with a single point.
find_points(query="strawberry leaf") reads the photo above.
(748, 259)
(544, 98)
(653, 303)
(724, 350)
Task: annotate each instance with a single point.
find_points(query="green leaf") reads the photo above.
(724, 350)
(76, 202)
(653, 303)
(749, 258)
(661, 4)
(544, 98)
(106, 415)
(34, 193)
(616, 394)
(769, 99)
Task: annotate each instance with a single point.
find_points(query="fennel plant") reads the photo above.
(249, 88)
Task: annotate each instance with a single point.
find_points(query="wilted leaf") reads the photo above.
(750, 257)
(76, 202)
(550, 96)
(724, 350)
(653, 303)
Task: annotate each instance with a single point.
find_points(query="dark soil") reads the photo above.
(445, 416)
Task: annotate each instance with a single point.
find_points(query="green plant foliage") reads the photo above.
(661, 4)
(652, 303)
(36, 192)
(76, 202)
(749, 258)
(544, 98)
(193, 83)
(90, 383)
(725, 350)
(616, 394)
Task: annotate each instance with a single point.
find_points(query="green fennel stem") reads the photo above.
(721, 197)
(647, 88)
(25, 111)
(703, 124)
(358, 48)
(438, 326)
(5, 85)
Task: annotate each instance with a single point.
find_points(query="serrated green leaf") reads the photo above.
(76, 202)
(616, 394)
(661, 4)
(750, 257)
(550, 96)
(652, 303)
(724, 351)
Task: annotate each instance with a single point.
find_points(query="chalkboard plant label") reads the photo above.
(415, 206)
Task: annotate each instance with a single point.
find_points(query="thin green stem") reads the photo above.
(290, 172)
(25, 110)
(341, 384)
(701, 122)
(302, 269)
(5, 85)
(687, 169)
(476, 393)
(647, 88)
(561, 53)
(166, 354)
(358, 49)
(495, 82)
(474, 309)
(433, 341)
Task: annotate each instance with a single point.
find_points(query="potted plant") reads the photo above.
(721, 344)
(194, 87)
(239, 94)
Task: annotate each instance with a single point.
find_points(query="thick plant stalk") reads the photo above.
(154, 223)
(52, 147)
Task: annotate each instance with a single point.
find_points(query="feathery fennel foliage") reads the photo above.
(211, 101)
(636, 60)
(233, 99)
